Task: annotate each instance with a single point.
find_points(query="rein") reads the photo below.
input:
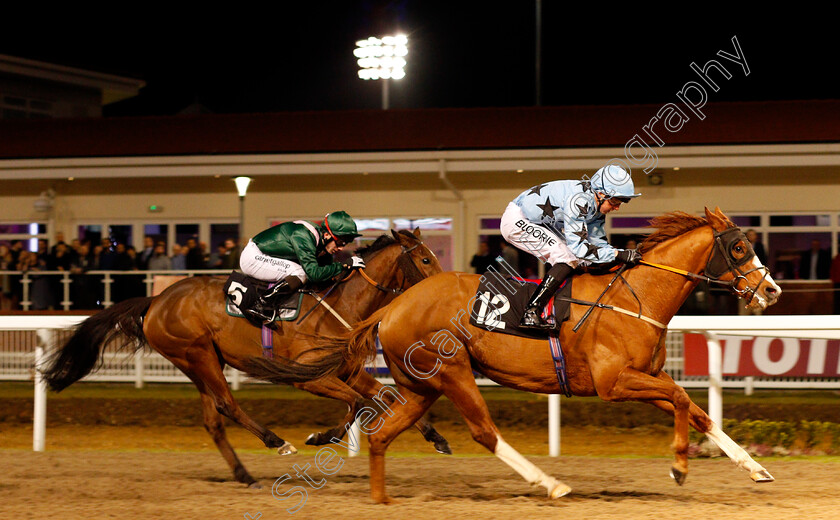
(368, 279)
(719, 251)
(376, 284)
(597, 304)
(718, 264)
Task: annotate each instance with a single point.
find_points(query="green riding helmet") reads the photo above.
(341, 225)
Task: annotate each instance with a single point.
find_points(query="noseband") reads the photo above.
(722, 261)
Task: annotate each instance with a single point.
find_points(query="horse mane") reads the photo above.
(381, 243)
(671, 225)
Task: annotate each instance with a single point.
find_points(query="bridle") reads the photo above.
(403, 261)
(405, 264)
(722, 261)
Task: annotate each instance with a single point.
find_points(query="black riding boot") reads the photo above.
(265, 307)
(553, 279)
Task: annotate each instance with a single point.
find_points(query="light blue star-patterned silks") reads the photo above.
(569, 208)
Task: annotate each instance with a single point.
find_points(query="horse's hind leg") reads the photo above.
(460, 387)
(204, 365)
(214, 424)
(703, 424)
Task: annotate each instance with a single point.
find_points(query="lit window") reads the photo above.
(427, 224)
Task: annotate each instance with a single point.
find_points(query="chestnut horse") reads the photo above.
(188, 325)
(432, 349)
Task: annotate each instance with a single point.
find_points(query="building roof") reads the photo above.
(113, 88)
(774, 122)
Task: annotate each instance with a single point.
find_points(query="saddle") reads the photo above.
(501, 302)
(242, 292)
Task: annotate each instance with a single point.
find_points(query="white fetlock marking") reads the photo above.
(528, 470)
(738, 454)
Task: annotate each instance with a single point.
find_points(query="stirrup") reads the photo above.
(531, 320)
(275, 292)
(263, 316)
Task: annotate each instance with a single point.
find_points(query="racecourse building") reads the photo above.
(771, 166)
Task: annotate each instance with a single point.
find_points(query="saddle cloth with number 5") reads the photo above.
(242, 291)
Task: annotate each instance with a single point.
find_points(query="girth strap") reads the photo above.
(615, 308)
(557, 352)
(267, 342)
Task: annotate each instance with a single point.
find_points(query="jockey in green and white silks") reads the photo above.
(296, 252)
(562, 223)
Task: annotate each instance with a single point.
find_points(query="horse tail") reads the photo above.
(350, 350)
(79, 355)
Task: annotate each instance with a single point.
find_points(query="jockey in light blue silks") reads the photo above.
(562, 224)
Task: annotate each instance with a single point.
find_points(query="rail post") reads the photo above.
(65, 291)
(715, 377)
(235, 379)
(139, 369)
(554, 425)
(26, 303)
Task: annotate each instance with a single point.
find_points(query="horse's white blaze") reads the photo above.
(761, 301)
(528, 470)
(738, 455)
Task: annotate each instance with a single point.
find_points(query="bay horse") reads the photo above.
(188, 325)
(432, 349)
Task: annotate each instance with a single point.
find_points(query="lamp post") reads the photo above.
(242, 188)
(382, 59)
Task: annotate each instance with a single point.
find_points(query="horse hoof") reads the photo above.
(314, 439)
(255, 485)
(762, 476)
(385, 500)
(287, 449)
(678, 476)
(560, 490)
(443, 447)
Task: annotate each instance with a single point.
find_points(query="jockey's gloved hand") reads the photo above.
(354, 262)
(630, 257)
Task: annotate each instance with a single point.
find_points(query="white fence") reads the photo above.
(63, 297)
(23, 339)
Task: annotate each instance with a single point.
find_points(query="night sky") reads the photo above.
(462, 54)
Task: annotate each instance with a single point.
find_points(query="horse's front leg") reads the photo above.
(634, 385)
(704, 424)
(369, 387)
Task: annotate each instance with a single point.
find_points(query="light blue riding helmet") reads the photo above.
(614, 181)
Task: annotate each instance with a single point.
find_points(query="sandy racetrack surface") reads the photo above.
(95, 484)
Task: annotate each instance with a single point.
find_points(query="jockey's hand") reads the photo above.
(630, 257)
(354, 262)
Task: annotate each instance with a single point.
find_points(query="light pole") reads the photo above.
(382, 58)
(242, 188)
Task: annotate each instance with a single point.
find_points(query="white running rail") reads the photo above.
(149, 368)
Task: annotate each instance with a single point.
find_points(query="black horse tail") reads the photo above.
(78, 357)
(347, 351)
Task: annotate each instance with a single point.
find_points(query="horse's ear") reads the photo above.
(417, 232)
(718, 212)
(718, 223)
(401, 238)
